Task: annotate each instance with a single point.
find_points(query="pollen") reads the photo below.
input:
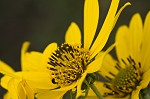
(126, 80)
(68, 63)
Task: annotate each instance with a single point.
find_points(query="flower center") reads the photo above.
(67, 64)
(126, 80)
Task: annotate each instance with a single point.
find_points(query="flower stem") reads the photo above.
(93, 87)
(70, 94)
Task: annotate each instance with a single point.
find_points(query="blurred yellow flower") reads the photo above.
(59, 69)
(17, 87)
(130, 74)
(25, 83)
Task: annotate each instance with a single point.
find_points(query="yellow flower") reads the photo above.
(17, 87)
(15, 83)
(70, 63)
(130, 74)
(59, 69)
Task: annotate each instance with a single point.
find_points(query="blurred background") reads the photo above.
(44, 21)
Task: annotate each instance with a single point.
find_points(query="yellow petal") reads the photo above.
(91, 15)
(50, 95)
(135, 93)
(146, 45)
(95, 65)
(122, 37)
(47, 53)
(106, 28)
(79, 91)
(102, 90)
(40, 80)
(73, 34)
(4, 81)
(25, 47)
(12, 88)
(7, 70)
(4, 67)
(25, 91)
(108, 65)
(7, 96)
(65, 88)
(30, 61)
(145, 79)
(119, 12)
(130, 39)
(135, 36)
(33, 61)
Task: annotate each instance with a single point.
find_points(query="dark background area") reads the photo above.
(44, 21)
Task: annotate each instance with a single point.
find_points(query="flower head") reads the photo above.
(70, 63)
(17, 87)
(131, 73)
(59, 69)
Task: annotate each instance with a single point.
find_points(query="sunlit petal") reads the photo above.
(108, 65)
(50, 95)
(106, 28)
(4, 67)
(4, 81)
(135, 93)
(7, 96)
(24, 49)
(12, 88)
(122, 49)
(48, 52)
(32, 61)
(145, 79)
(97, 63)
(73, 85)
(146, 45)
(24, 90)
(40, 80)
(73, 34)
(135, 36)
(79, 91)
(91, 15)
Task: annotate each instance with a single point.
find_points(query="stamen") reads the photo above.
(108, 78)
(68, 63)
(112, 74)
(123, 61)
(126, 80)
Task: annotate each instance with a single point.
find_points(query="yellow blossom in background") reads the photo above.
(15, 84)
(59, 69)
(130, 74)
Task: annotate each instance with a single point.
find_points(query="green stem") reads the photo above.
(146, 96)
(140, 96)
(93, 87)
(70, 94)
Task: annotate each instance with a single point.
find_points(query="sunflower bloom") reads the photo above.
(17, 87)
(59, 69)
(70, 63)
(130, 74)
(15, 83)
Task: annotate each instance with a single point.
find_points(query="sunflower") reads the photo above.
(15, 83)
(65, 67)
(130, 74)
(70, 63)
